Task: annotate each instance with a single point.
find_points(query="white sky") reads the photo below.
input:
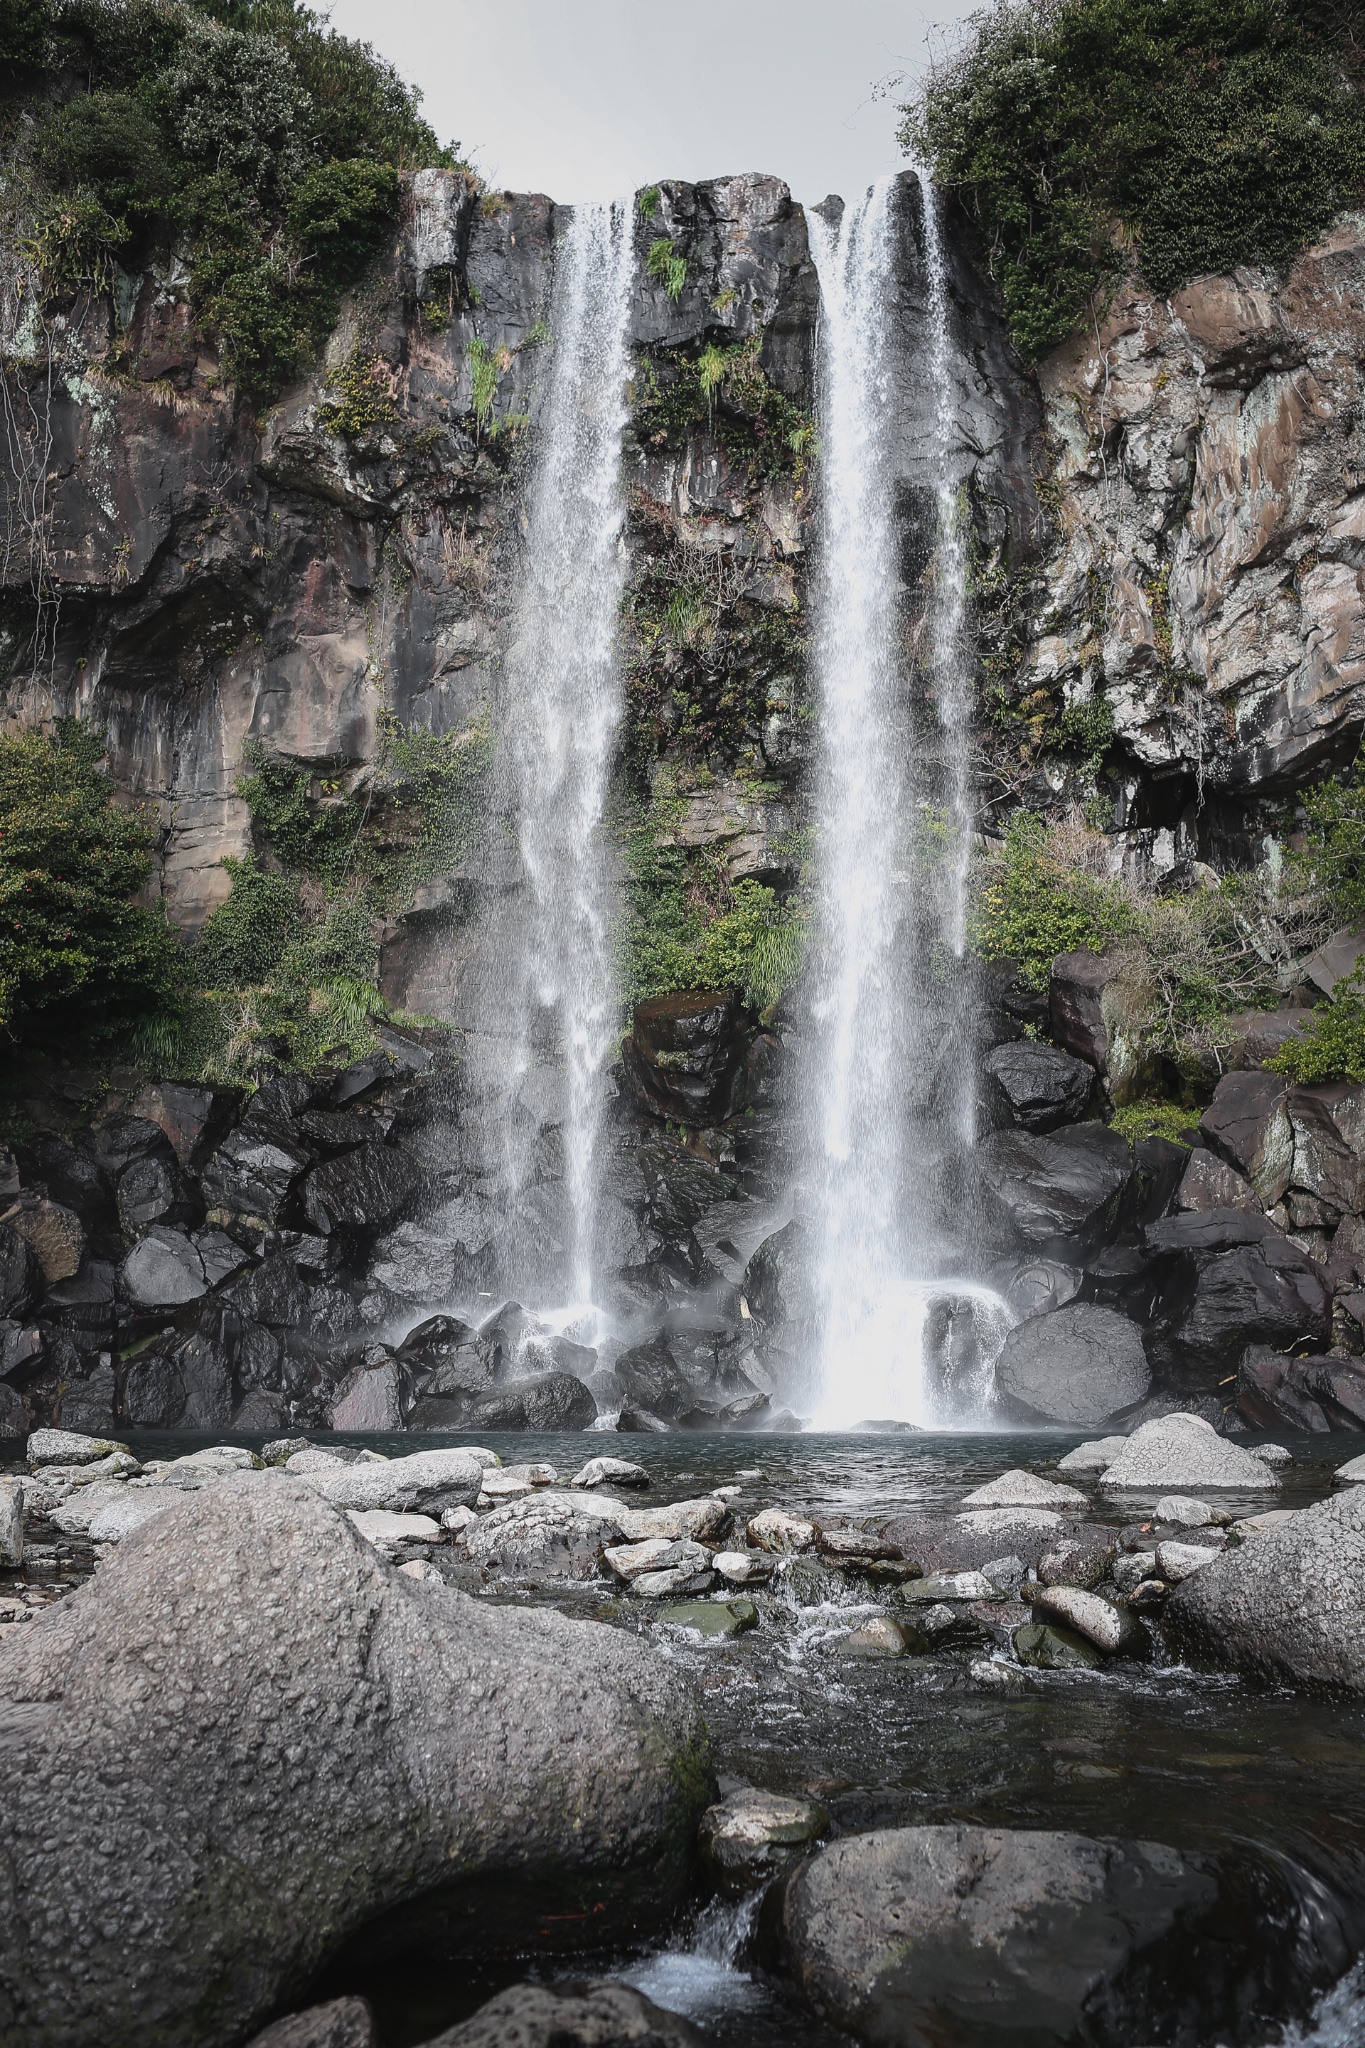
(589, 99)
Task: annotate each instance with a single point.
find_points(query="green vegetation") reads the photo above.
(1193, 135)
(665, 268)
(1331, 1046)
(77, 955)
(1188, 959)
(648, 201)
(363, 396)
(1155, 1119)
(689, 926)
(248, 129)
(727, 390)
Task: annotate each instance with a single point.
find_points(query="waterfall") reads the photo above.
(889, 1073)
(560, 711)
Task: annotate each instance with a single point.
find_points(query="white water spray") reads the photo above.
(889, 1079)
(561, 709)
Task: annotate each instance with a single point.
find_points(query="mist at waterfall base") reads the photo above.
(900, 1333)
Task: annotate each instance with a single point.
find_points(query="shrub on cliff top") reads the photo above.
(1202, 133)
(75, 951)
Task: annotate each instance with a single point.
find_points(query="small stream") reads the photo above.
(1198, 1760)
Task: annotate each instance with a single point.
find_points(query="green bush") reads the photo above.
(339, 214)
(1206, 133)
(24, 28)
(249, 934)
(1031, 904)
(1155, 1119)
(76, 953)
(236, 106)
(1330, 860)
(108, 144)
(1331, 1045)
(306, 836)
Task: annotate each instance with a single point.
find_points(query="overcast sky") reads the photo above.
(588, 99)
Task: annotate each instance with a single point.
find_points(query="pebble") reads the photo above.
(1272, 1454)
(1020, 1489)
(780, 1533)
(1177, 1561)
(713, 1617)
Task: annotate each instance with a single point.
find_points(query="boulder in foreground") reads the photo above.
(1289, 1602)
(252, 1737)
(1186, 1453)
(958, 1937)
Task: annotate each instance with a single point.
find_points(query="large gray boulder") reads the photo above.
(1078, 1365)
(953, 1937)
(1289, 1601)
(1060, 1195)
(1184, 1452)
(250, 1736)
(422, 1480)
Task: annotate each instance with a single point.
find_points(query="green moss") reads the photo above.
(647, 199)
(1197, 134)
(727, 391)
(363, 396)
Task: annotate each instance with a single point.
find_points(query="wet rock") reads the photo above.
(1020, 1489)
(994, 1675)
(194, 1119)
(549, 1535)
(781, 1533)
(888, 1932)
(879, 1637)
(1289, 1601)
(713, 1617)
(154, 1394)
(777, 1279)
(656, 1554)
(1076, 990)
(163, 1270)
(370, 1396)
(14, 1416)
(673, 1580)
(253, 1175)
(361, 1191)
(611, 1472)
(1037, 1087)
(1183, 1451)
(701, 1521)
(1228, 1280)
(1247, 1124)
(1060, 1195)
(343, 2023)
(640, 1422)
(153, 1190)
(21, 1277)
(1210, 1183)
(53, 1234)
(1313, 1395)
(1081, 1559)
(948, 1586)
(585, 2015)
(967, 1542)
(1178, 1561)
(1131, 1567)
(685, 1057)
(806, 1582)
(751, 1835)
(652, 1380)
(71, 1175)
(442, 1735)
(855, 1546)
(1049, 1646)
(1076, 1365)
(424, 1480)
(1111, 1629)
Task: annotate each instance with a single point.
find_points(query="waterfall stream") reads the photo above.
(889, 1076)
(561, 707)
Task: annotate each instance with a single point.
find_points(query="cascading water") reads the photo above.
(890, 1070)
(561, 706)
